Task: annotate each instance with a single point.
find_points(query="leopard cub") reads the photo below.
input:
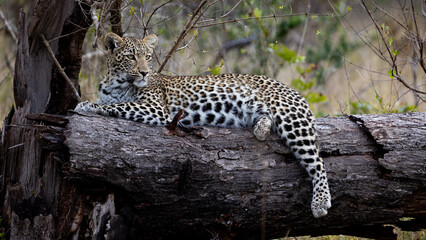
(131, 90)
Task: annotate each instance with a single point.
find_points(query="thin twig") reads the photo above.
(224, 15)
(152, 14)
(254, 18)
(418, 40)
(95, 20)
(393, 64)
(66, 35)
(188, 26)
(9, 26)
(305, 27)
(380, 32)
(61, 70)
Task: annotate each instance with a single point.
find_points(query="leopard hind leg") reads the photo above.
(262, 120)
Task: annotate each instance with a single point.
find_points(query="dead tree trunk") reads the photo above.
(222, 181)
(216, 182)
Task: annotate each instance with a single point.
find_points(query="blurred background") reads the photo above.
(341, 60)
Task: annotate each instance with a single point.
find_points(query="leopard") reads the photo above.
(132, 90)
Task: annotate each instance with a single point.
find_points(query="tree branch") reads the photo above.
(152, 14)
(254, 18)
(115, 17)
(9, 26)
(188, 26)
(393, 64)
(60, 69)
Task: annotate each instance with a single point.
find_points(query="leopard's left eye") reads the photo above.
(131, 57)
(148, 57)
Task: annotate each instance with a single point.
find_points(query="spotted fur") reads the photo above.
(132, 91)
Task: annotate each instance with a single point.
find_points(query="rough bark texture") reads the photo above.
(33, 194)
(115, 17)
(36, 78)
(222, 181)
(146, 183)
(69, 56)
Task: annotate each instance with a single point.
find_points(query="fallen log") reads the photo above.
(224, 183)
(88, 176)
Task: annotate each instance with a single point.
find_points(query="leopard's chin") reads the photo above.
(140, 82)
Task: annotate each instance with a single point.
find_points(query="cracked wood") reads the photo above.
(190, 185)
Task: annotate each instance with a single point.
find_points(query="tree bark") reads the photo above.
(215, 182)
(36, 79)
(31, 182)
(225, 182)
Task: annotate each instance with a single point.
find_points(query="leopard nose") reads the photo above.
(143, 73)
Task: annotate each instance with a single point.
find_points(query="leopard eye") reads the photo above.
(131, 57)
(148, 57)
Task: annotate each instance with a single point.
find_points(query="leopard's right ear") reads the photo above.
(113, 41)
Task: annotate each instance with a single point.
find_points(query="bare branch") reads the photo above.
(302, 39)
(95, 20)
(254, 18)
(9, 26)
(418, 40)
(60, 69)
(394, 66)
(188, 26)
(224, 15)
(66, 35)
(415, 91)
(152, 14)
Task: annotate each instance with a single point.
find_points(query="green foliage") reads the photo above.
(392, 73)
(363, 107)
(332, 46)
(287, 24)
(216, 70)
(131, 10)
(286, 53)
(306, 89)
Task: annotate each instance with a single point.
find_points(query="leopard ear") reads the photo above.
(113, 41)
(150, 41)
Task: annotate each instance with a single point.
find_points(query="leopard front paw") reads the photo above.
(87, 106)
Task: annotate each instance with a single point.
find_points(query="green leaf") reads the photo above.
(391, 40)
(216, 71)
(286, 53)
(131, 10)
(395, 52)
(314, 97)
(257, 12)
(380, 99)
(300, 85)
(392, 73)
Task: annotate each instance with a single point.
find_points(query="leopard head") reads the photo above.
(129, 58)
